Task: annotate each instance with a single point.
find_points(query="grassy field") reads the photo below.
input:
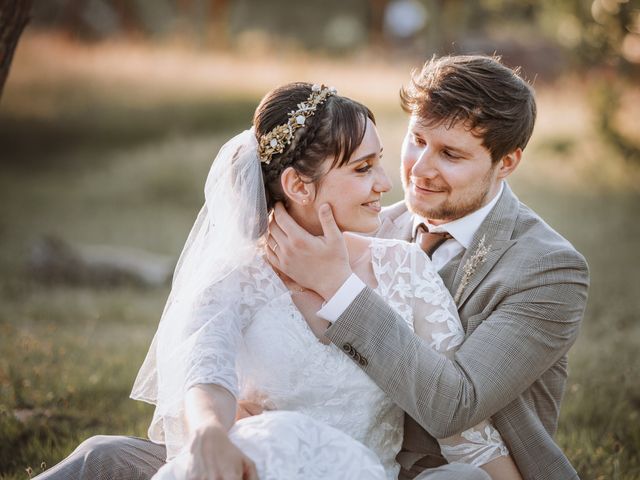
(103, 155)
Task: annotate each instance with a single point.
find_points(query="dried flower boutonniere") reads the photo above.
(470, 267)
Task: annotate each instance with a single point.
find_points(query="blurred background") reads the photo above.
(112, 111)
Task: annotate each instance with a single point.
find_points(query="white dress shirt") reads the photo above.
(462, 230)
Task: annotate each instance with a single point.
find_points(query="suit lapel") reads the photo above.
(397, 222)
(496, 230)
(496, 250)
(387, 229)
(448, 271)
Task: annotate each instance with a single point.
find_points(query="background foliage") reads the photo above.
(114, 110)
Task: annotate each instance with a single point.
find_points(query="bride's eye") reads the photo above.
(364, 168)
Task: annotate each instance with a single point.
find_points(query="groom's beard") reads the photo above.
(457, 204)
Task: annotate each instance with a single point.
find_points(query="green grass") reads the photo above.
(70, 354)
(111, 174)
(601, 410)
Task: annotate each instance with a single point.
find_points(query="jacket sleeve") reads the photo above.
(532, 327)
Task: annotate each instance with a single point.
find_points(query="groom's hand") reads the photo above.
(318, 263)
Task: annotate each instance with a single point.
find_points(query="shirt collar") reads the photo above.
(462, 229)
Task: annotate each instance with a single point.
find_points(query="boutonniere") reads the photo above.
(470, 267)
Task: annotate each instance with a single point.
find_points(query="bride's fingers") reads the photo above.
(250, 472)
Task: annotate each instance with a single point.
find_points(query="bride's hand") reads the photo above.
(319, 263)
(248, 409)
(214, 456)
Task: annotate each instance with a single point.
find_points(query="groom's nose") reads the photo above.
(426, 164)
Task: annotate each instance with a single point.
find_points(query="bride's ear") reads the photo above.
(296, 188)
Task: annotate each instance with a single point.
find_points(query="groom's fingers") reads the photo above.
(276, 234)
(329, 226)
(273, 224)
(273, 258)
(287, 224)
(272, 243)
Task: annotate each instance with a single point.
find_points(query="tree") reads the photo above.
(595, 33)
(14, 15)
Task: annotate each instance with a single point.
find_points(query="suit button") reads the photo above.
(363, 361)
(347, 348)
(357, 357)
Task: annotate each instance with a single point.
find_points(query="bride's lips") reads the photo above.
(373, 206)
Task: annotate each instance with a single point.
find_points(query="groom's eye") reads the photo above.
(418, 141)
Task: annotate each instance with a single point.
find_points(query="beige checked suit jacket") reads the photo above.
(521, 310)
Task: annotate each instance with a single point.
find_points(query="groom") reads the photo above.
(520, 287)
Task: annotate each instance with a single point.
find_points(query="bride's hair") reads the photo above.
(334, 131)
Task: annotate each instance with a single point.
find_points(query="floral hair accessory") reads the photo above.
(277, 139)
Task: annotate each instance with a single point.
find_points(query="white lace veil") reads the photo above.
(225, 236)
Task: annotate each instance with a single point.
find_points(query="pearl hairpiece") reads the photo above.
(277, 139)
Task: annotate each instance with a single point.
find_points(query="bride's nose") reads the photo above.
(382, 183)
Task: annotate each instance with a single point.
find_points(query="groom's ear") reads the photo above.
(509, 163)
(297, 188)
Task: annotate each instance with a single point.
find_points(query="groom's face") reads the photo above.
(446, 172)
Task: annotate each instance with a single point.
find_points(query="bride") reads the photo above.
(235, 329)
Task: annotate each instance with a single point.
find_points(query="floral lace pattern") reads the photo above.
(484, 444)
(264, 351)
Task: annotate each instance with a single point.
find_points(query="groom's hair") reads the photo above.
(490, 99)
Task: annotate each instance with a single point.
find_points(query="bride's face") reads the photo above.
(354, 189)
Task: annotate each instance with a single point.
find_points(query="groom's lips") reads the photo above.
(428, 189)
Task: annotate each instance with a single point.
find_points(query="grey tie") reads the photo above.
(429, 242)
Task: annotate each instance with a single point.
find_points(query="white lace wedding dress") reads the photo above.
(326, 418)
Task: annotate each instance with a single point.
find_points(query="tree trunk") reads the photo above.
(376, 22)
(218, 27)
(14, 15)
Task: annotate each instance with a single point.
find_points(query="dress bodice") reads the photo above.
(282, 365)
(262, 350)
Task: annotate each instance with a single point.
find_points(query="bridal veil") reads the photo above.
(225, 236)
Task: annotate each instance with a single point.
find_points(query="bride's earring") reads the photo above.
(297, 188)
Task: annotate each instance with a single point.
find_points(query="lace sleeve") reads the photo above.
(214, 343)
(202, 348)
(436, 321)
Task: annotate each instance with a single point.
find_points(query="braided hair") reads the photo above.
(335, 131)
